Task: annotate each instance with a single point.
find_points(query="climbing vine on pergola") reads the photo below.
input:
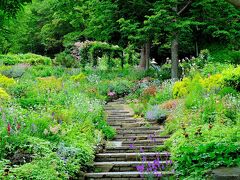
(90, 51)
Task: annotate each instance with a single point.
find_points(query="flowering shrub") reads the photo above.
(198, 150)
(149, 92)
(180, 88)
(231, 77)
(4, 95)
(212, 82)
(78, 78)
(6, 82)
(155, 113)
(50, 84)
(169, 105)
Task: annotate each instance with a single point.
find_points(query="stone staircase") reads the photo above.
(133, 146)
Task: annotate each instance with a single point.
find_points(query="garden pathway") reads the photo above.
(133, 146)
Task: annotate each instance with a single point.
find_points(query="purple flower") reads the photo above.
(170, 162)
(156, 163)
(163, 167)
(144, 158)
(150, 167)
(140, 168)
(131, 146)
(150, 137)
(141, 150)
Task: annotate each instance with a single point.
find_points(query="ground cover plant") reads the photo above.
(52, 118)
(202, 117)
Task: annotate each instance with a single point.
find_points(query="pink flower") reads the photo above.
(111, 93)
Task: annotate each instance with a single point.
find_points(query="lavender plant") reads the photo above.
(155, 113)
(154, 167)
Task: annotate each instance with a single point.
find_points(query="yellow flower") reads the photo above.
(212, 82)
(4, 95)
(180, 88)
(78, 78)
(6, 82)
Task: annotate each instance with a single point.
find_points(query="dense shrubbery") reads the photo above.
(203, 115)
(52, 119)
(31, 59)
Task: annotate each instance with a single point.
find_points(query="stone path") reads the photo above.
(135, 140)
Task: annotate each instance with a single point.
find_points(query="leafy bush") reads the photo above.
(155, 113)
(43, 71)
(225, 55)
(180, 88)
(203, 149)
(231, 77)
(3, 94)
(6, 82)
(226, 91)
(32, 59)
(212, 82)
(138, 108)
(15, 71)
(66, 59)
(78, 78)
(165, 93)
(214, 68)
(121, 87)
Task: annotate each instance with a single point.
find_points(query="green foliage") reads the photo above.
(196, 155)
(90, 51)
(3, 95)
(231, 77)
(53, 123)
(66, 59)
(225, 55)
(29, 58)
(226, 91)
(181, 88)
(164, 94)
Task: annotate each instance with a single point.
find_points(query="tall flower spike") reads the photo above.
(9, 128)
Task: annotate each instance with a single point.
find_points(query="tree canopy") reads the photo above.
(155, 28)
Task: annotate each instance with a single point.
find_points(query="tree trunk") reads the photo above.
(174, 57)
(145, 54)
(235, 2)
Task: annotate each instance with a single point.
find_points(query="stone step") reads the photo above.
(142, 128)
(125, 120)
(143, 142)
(127, 149)
(112, 118)
(150, 156)
(132, 125)
(129, 125)
(118, 166)
(134, 175)
(138, 131)
(117, 111)
(139, 136)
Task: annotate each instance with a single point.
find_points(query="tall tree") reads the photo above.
(121, 22)
(177, 18)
